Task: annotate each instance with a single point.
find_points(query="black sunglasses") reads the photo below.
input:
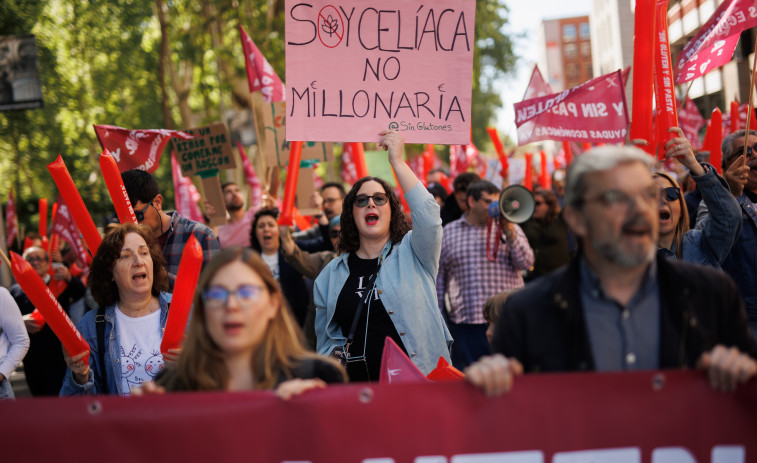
(671, 193)
(140, 215)
(379, 199)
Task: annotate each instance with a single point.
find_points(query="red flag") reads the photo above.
(537, 86)
(461, 157)
(349, 170)
(260, 74)
(714, 44)
(445, 372)
(136, 149)
(418, 167)
(186, 194)
(11, 219)
(252, 179)
(691, 122)
(396, 367)
(65, 227)
(594, 111)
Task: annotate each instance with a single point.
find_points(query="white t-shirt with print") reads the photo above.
(140, 339)
(272, 261)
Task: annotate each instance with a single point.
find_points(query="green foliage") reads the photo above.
(101, 61)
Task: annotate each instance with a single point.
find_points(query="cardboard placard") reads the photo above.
(305, 189)
(212, 188)
(270, 125)
(210, 149)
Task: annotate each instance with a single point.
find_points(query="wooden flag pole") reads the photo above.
(5, 258)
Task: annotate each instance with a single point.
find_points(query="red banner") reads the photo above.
(136, 149)
(11, 219)
(349, 169)
(691, 122)
(186, 194)
(595, 111)
(537, 86)
(65, 227)
(260, 75)
(635, 417)
(714, 44)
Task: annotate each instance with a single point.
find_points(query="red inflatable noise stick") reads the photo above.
(44, 300)
(183, 293)
(116, 188)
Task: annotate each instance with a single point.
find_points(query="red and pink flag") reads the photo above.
(65, 227)
(537, 86)
(714, 44)
(11, 219)
(349, 169)
(136, 149)
(252, 179)
(691, 122)
(260, 75)
(396, 367)
(595, 111)
(186, 194)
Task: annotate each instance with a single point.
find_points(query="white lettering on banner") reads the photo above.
(618, 108)
(720, 454)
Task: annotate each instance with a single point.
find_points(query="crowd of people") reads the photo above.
(618, 269)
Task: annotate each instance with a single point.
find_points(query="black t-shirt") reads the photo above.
(380, 325)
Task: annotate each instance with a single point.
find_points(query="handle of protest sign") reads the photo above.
(500, 151)
(183, 293)
(290, 186)
(44, 300)
(42, 216)
(643, 73)
(115, 184)
(667, 113)
(76, 206)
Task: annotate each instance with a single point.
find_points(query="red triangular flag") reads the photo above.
(260, 75)
(65, 227)
(396, 367)
(445, 372)
(136, 149)
(186, 194)
(11, 219)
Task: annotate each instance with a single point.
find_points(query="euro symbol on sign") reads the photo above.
(312, 85)
(441, 87)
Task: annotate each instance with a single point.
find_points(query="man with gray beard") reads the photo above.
(617, 307)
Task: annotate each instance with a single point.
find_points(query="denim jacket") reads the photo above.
(406, 285)
(112, 358)
(711, 244)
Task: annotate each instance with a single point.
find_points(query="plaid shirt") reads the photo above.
(177, 237)
(467, 276)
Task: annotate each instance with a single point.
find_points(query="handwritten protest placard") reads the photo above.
(270, 126)
(355, 68)
(592, 112)
(210, 149)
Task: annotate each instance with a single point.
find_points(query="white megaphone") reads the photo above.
(516, 204)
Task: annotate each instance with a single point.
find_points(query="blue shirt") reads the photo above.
(622, 338)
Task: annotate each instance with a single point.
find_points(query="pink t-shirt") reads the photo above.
(237, 233)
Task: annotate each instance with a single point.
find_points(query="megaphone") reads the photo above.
(516, 204)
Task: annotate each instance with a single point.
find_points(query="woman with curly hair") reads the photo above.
(127, 280)
(386, 275)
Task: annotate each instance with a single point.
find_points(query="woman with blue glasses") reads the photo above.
(242, 336)
(711, 245)
(384, 282)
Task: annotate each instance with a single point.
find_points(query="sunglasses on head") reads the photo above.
(670, 193)
(140, 215)
(379, 199)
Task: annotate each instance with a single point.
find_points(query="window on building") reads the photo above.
(572, 72)
(584, 30)
(569, 32)
(588, 71)
(585, 49)
(570, 50)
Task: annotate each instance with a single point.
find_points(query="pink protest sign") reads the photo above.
(354, 68)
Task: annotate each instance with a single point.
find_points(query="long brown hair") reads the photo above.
(349, 239)
(553, 207)
(201, 365)
(101, 282)
(683, 221)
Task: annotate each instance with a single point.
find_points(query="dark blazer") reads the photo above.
(294, 289)
(543, 324)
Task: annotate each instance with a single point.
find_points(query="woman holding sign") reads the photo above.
(127, 280)
(384, 282)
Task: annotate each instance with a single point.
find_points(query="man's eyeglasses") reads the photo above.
(617, 200)
(216, 297)
(379, 199)
(670, 193)
(140, 215)
(31, 259)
